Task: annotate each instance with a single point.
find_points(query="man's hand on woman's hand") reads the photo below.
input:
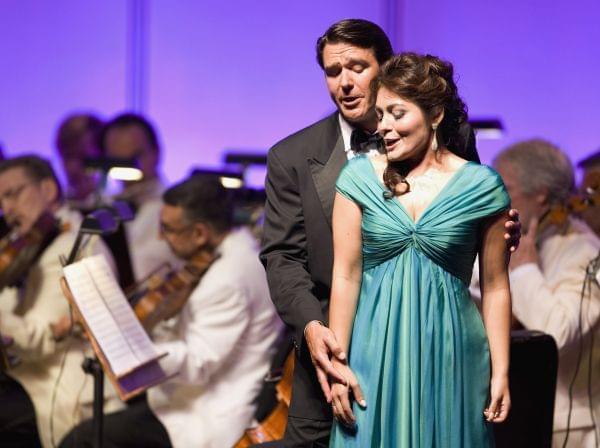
(323, 346)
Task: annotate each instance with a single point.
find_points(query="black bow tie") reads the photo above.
(360, 141)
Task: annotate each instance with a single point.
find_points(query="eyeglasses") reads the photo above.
(167, 230)
(13, 194)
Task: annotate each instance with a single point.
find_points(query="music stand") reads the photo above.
(99, 222)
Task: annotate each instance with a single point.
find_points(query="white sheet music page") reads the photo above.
(115, 327)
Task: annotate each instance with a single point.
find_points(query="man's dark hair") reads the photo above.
(130, 119)
(36, 169)
(73, 129)
(203, 199)
(359, 33)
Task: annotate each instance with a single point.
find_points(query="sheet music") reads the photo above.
(117, 330)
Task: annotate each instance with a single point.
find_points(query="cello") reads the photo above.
(273, 426)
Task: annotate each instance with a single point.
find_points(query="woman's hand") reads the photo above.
(340, 394)
(499, 406)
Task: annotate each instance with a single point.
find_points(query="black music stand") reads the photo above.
(99, 222)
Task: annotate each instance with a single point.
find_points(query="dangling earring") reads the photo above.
(434, 143)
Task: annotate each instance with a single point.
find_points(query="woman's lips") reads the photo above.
(391, 142)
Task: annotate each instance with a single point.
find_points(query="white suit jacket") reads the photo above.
(224, 342)
(26, 315)
(547, 298)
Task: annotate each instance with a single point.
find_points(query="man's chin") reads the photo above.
(357, 114)
(353, 115)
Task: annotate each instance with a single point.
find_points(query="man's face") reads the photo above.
(81, 183)
(131, 142)
(23, 200)
(178, 232)
(349, 71)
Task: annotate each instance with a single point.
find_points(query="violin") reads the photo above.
(19, 252)
(578, 203)
(273, 426)
(163, 298)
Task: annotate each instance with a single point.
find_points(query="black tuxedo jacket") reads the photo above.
(297, 249)
(297, 243)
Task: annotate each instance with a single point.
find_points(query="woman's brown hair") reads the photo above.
(428, 82)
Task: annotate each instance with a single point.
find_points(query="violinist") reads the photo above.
(132, 136)
(33, 311)
(221, 343)
(547, 276)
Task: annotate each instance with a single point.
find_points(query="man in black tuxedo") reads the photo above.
(297, 243)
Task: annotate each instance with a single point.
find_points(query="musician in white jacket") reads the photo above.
(223, 340)
(547, 276)
(31, 314)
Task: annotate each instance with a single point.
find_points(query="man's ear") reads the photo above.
(49, 190)
(541, 198)
(201, 234)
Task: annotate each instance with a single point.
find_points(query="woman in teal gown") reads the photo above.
(419, 354)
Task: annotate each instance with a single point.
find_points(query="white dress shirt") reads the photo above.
(347, 129)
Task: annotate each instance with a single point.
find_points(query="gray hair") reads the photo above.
(540, 166)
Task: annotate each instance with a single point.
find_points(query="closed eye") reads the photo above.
(333, 71)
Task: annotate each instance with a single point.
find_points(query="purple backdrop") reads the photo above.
(218, 75)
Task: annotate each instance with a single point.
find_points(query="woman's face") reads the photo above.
(403, 126)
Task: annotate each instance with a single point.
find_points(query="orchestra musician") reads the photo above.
(547, 276)
(34, 314)
(223, 339)
(77, 138)
(132, 136)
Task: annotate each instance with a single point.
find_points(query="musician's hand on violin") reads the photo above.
(527, 252)
(61, 328)
(322, 345)
(513, 230)
(341, 404)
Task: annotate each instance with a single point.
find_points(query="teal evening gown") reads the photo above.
(419, 348)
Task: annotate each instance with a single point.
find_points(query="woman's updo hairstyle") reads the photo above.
(428, 82)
